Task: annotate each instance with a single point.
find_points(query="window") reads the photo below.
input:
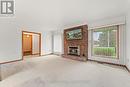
(105, 42)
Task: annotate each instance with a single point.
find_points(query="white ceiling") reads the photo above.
(57, 14)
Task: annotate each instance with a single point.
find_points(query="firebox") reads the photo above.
(74, 50)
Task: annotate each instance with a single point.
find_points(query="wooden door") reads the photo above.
(27, 44)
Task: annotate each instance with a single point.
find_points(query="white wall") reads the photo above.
(128, 39)
(35, 43)
(57, 44)
(46, 43)
(10, 40)
(107, 22)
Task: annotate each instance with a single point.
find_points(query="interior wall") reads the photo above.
(46, 43)
(35, 44)
(127, 39)
(57, 44)
(10, 40)
(107, 22)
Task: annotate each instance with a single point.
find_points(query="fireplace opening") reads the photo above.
(74, 50)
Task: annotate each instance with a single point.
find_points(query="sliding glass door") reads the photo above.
(105, 42)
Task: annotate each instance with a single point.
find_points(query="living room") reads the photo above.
(84, 36)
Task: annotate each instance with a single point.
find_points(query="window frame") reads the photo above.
(117, 45)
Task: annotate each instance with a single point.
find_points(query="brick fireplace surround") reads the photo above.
(82, 43)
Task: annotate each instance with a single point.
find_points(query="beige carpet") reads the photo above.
(54, 71)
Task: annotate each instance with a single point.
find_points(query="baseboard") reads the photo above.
(127, 69)
(11, 61)
(112, 64)
(21, 59)
(107, 63)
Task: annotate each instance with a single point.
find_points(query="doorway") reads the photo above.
(31, 43)
(27, 44)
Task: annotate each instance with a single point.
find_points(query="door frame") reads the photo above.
(39, 41)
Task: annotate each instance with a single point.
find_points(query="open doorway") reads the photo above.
(31, 43)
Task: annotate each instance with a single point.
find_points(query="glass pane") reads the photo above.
(105, 42)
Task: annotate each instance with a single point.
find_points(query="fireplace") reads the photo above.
(74, 50)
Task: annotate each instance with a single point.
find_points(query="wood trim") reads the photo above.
(31, 32)
(40, 38)
(106, 62)
(32, 43)
(11, 61)
(118, 42)
(22, 45)
(111, 64)
(127, 69)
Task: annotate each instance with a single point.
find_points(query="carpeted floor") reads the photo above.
(54, 71)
